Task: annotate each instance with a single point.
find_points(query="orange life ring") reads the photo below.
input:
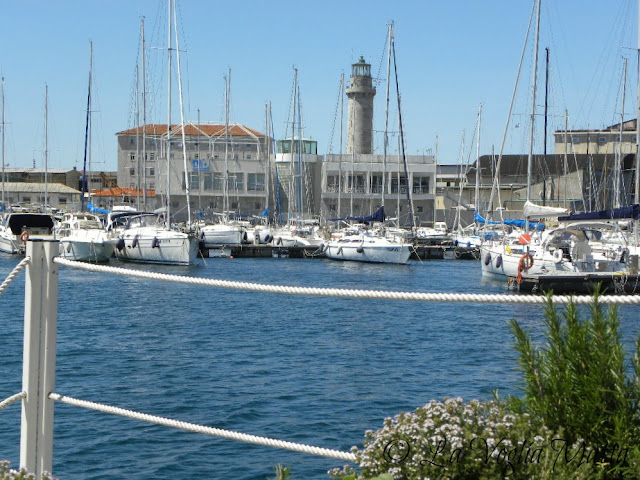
(24, 236)
(525, 263)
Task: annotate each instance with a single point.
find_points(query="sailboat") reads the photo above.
(363, 244)
(17, 228)
(224, 233)
(534, 252)
(150, 238)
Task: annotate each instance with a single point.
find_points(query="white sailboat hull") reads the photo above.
(215, 236)
(376, 252)
(151, 245)
(83, 250)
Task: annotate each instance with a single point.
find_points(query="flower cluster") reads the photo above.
(7, 473)
(453, 439)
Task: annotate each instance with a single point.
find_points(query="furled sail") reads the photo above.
(531, 210)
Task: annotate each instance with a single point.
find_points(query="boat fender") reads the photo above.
(135, 242)
(487, 259)
(267, 238)
(155, 243)
(360, 250)
(499, 261)
(245, 238)
(201, 246)
(120, 244)
(279, 241)
(557, 255)
(339, 252)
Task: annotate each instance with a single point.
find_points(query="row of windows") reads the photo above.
(356, 209)
(207, 156)
(151, 171)
(356, 184)
(235, 181)
(601, 139)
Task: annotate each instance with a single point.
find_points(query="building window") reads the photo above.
(152, 172)
(152, 156)
(26, 199)
(255, 182)
(332, 208)
(257, 206)
(421, 185)
(132, 157)
(152, 186)
(420, 208)
(62, 201)
(355, 183)
(217, 181)
(394, 185)
(602, 139)
(375, 184)
(235, 182)
(132, 171)
(332, 184)
(575, 140)
(234, 205)
(248, 156)
(194, 180)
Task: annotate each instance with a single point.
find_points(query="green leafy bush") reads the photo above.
(579, 416)
(581, 382)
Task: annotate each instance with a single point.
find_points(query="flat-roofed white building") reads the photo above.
(356, 183)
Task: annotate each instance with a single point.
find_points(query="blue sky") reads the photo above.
(452, 56)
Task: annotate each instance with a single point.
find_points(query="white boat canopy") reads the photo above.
(531, 210)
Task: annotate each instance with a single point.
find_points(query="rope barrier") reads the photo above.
(12, 399)
(23, 263)
(215, 432)
(364, 294)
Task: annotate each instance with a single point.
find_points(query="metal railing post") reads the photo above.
(39, 357)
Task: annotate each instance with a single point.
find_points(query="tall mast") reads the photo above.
(138, 163)
(2, 206)
(386, 116)
(546, 106)
(168, 195)
(566, 161)
(225, 186)
(477, 199)
(636, 197)
(144, 122)
(46, 146)
(533, 104)
(267, 154)
(87, 139)
(184, 138)
(404, 157)
(292, 194)
(616, 189)
(342, 93)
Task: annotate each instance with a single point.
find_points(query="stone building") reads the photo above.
(214, 157)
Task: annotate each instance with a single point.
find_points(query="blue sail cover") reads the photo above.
(513, 223)
(630, 211)
(377, 216)
(93, 209)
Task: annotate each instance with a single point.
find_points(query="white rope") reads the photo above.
(12, 399)
(216, 432)
(346, 293)
(23, 263)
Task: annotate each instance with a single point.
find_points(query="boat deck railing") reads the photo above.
(39, 356)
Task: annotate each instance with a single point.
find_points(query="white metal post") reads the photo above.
(39, 357)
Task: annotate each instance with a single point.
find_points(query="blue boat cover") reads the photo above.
(377, 216)
(93, 209)
(513, 223)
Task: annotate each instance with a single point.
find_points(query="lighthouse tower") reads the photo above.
(360, 115)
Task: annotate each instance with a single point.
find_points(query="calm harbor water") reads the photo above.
(312, 370)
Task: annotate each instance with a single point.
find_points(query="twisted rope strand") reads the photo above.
(347, 293)
(215, 432)
(14, 273)
(12, 399)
